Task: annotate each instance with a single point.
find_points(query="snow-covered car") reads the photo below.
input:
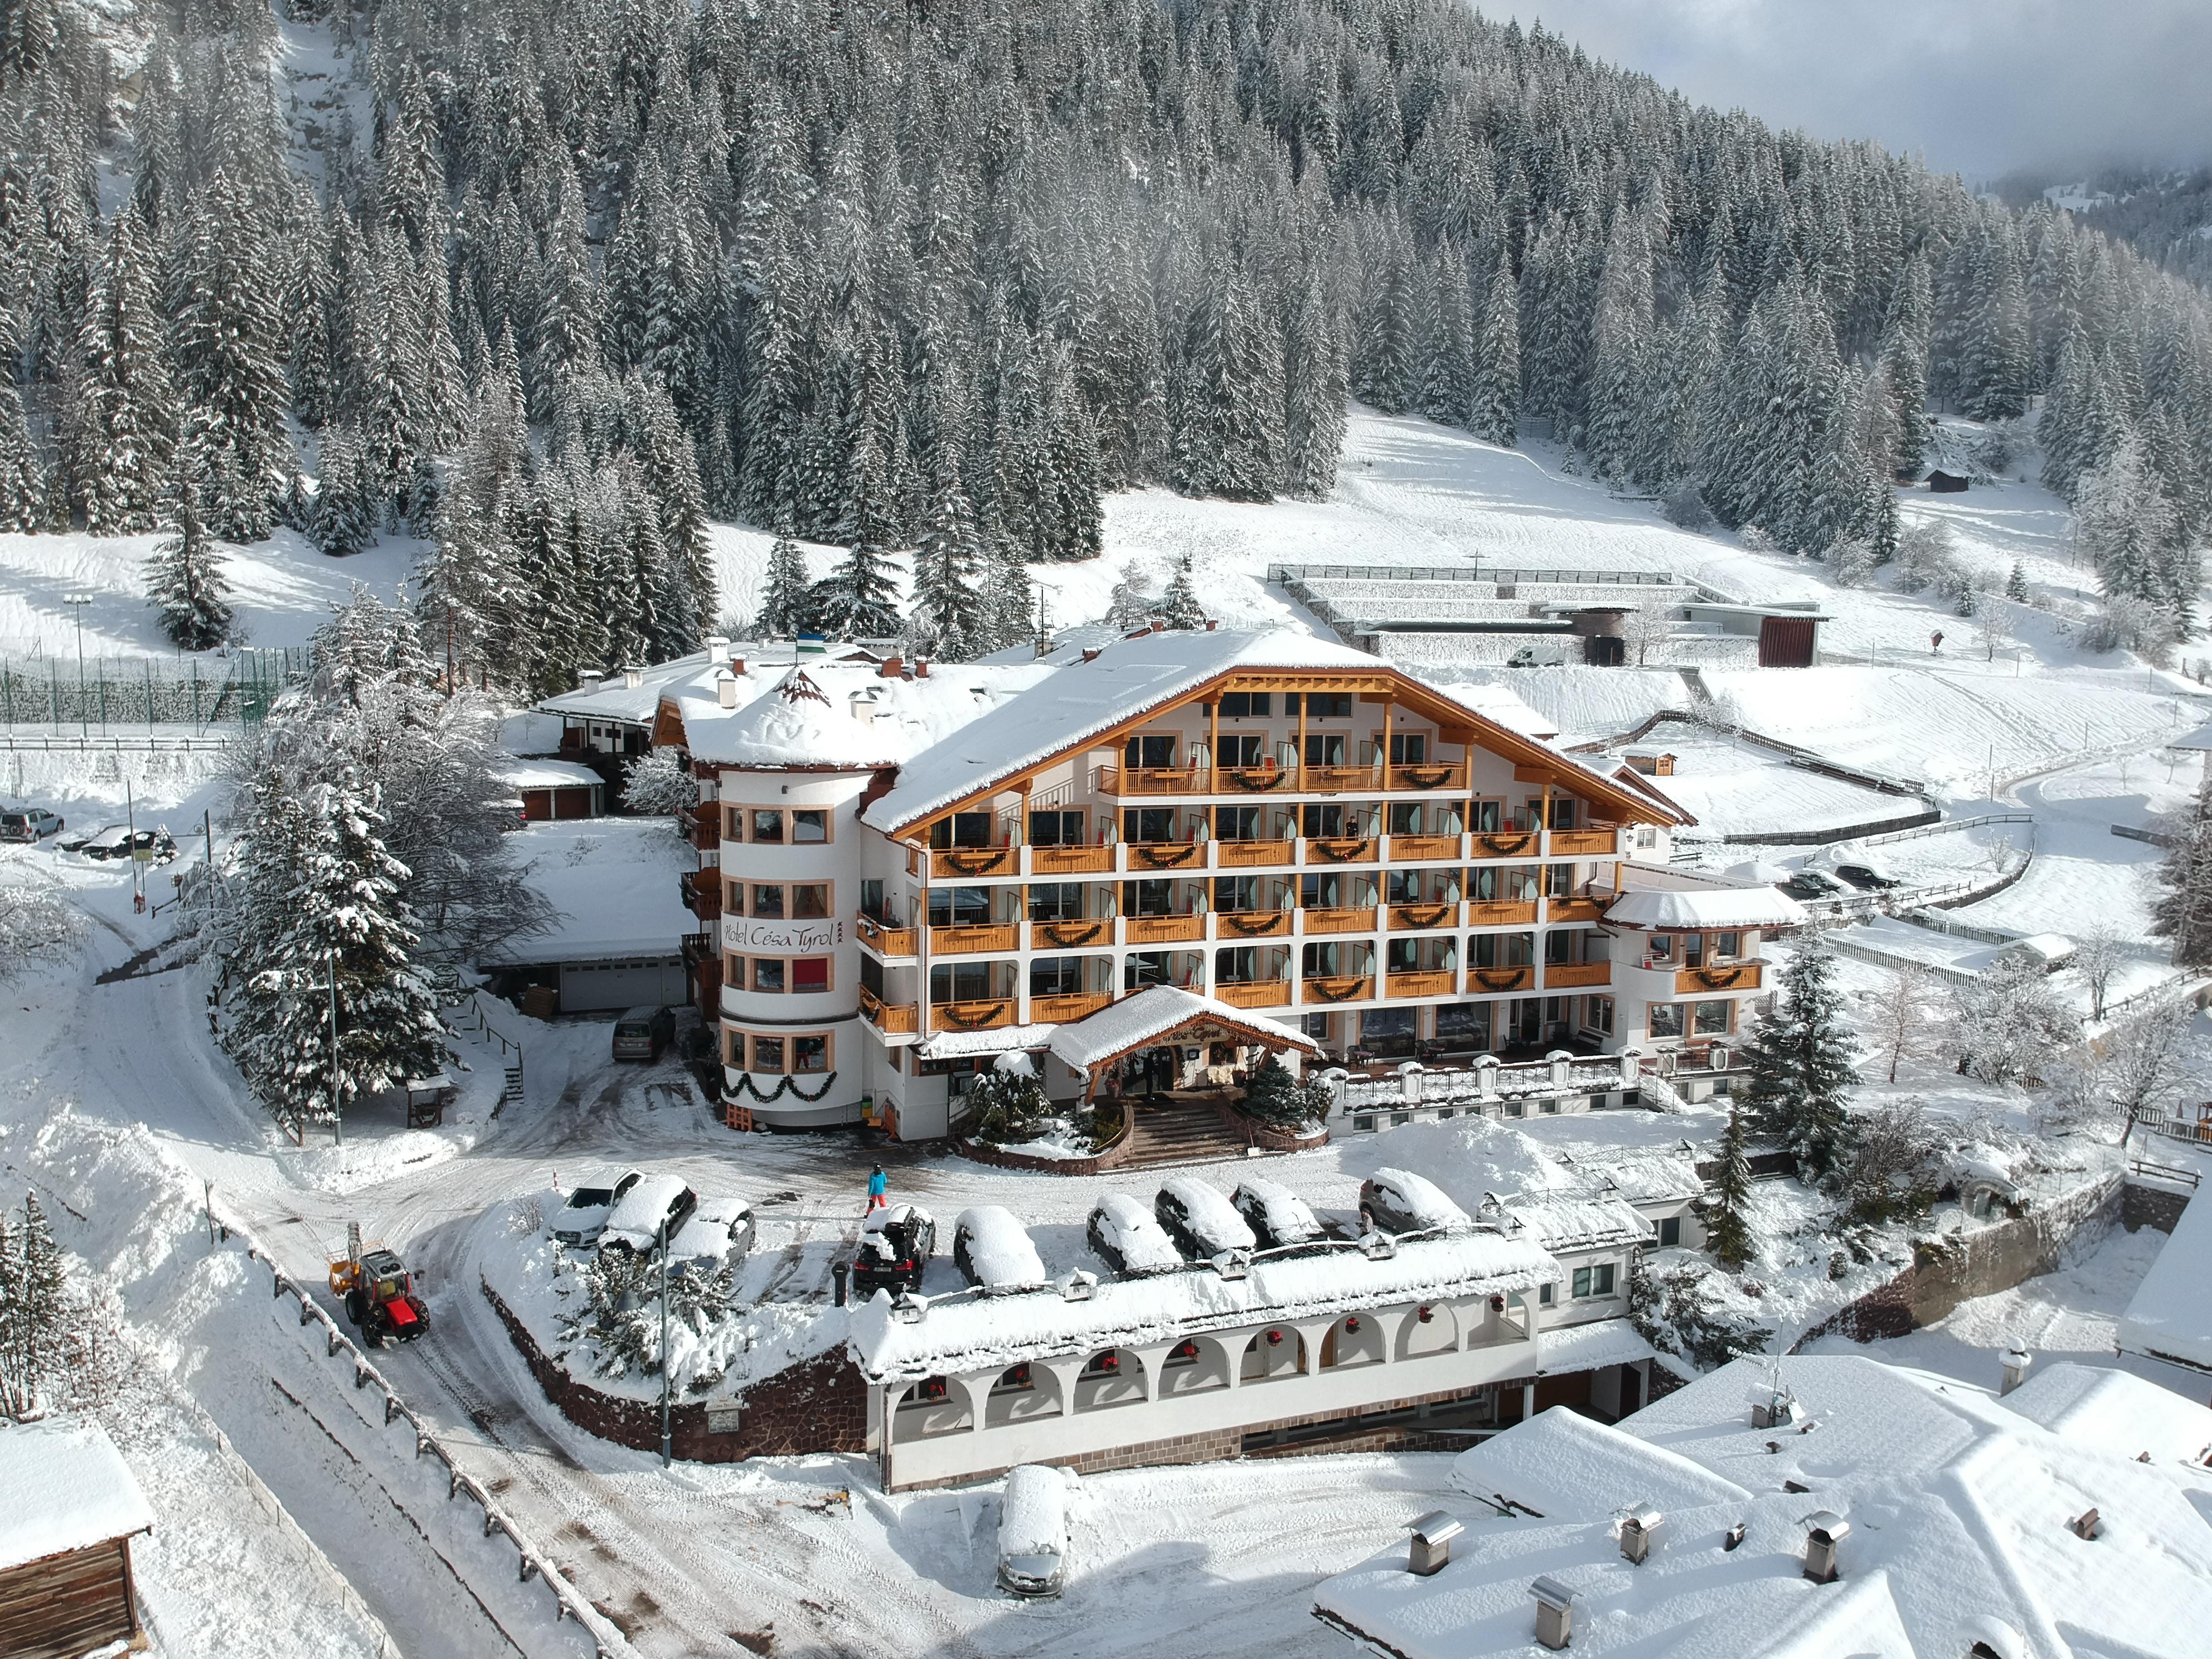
(992, 1251)
(1200, 1218)
(719, 1229)
(109, 842)
(895, 1244)
(1278, 1217)
(634, 1223)
(1813, 884)
(1127, 1237)
(33, 824)
(579, 1221)
(1865, 871)
(1033, 1530)
(1400, 1201)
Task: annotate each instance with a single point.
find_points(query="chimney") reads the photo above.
(2016, 1362)
(725, 688)
(633, 677)
(736, 665)
(1432, 1543)
(1555, 1613)
(1824, 1532)
(863, 707)
(2086, 1525)
(1158, 627)
(1090, 653)
(1639, 1531)
(922, 668)
(1210, 625)
(716, 644)
(893, 668)
(588, 680)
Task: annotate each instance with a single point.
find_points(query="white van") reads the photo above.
(1033, 1531)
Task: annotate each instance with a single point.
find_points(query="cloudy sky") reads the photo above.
(1981, 86)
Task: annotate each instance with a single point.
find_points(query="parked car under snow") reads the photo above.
(1400, 1201)
(638, 1216)
(1278, 1217)
(1126, 1237)
(992, 1251)
(579, 1222)
(1200, 1220)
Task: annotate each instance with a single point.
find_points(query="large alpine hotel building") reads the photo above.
(907, 870)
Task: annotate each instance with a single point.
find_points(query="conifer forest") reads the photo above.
(553, 283)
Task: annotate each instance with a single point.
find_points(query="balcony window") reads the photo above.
(1325, 748)
(1523, 883)
(1243, 750)
(1559, 880)
(1504, 950)
(1237, 823)
(1057, 829)
(1150, 753)
(1409, 748)
(1406, 818)
(1728, 945)
(1712, 1018)
(1238, 965)
(964, 907)
(1667, 1019)
(1487, 818)
(1144, 967)
(872, 902)
(1240, 705)
(1661, 949)
(1482, 884)
(1148, 898)
(960, 981)
(961, 829)
(1056, 976)
(1056, 901)
(1148, 823)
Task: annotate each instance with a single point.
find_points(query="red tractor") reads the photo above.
(379, 1298)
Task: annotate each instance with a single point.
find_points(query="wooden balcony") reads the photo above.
(986, 1015)
(1059, 1011)
(953, 863)
(1506, 844)
(1167, 855)
(1246, 854)
(1257, 994)
(1070, 861)
(1251, 924)
(1163, 930)
(1071, 935)
(1253, 780)
(973, 939)
(1335, 780)
(1341, 850)
(1423, 849)
(1574, 910)
(1593, 843)
(1336, 988)
(1521, 978)
(892, 1018)
(1414, 918)
(886, 941)
(1501, 913)
(1430, 774)
(1569, 976)
(1359, 920)
(1699, 982)
(1149, 781)
(702, 893)
(1423, 982)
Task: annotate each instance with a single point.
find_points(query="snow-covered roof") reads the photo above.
(613, 884)
(67, 1488)
(1153, 1013)
(1653, 1178)
(1593, 1344)
(2200, 739)
(979, 1333)
(965, 1045)
(615, 699)
(2171, 1316)
(1582, 1224)
(535, 772)
(1959, 1504)
(1705, 907)
(848, 715)
(1501, 703)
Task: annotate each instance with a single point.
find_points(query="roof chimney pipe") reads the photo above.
(633, 675)
(725, 688)
(893, 668)
(1432, 1543)
(1639, 1531)
(922, 668)
(1555, 1613)
(1824, 1532)
(736, 665)
(2016, 1362)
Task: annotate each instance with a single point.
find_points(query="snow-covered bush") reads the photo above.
(35, 921)
(1853, 561)
(1890, 1174)
(2005, 1021)
(1685, 507)
(620, 1318)
(660, 782)
(2132, 624)
(1926, 557)
(1009, 1102)
(1675, 1313)
(1275, 1097)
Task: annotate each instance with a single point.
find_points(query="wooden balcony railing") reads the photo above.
(1419, 849)
(1335, 987)
(1410, 918)
(884, 940)
(1506, 844)
(1740, 976)
(1255, 993)
(1061, 1009)
(1574, 910)
(1521, 978)
(892, 1018)
(1254, 779)
(1166, 855)
(1566, 976)
(1149, 780)
(968, 939)
(1245, 855)
(1429, 774)
(953, 862)
(1251, 924)
(1333, 780)
(702, 893)
(1163, 930)
(984, 1015)
(1071, 935)
(1359, 920)
(1070, 861)
(1597, 842)
(1420, 982)
(1340, 849)
(1501, 913)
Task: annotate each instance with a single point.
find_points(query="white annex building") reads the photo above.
(907, 870)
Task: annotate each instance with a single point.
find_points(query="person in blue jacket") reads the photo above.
(878, 1188)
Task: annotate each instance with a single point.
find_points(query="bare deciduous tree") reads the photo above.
(1897, 1016)
(2097, 955)
(2143, 1063)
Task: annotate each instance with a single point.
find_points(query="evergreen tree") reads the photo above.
(2015, 586)
(859, 598)
(2183, 912)
(951, 614)
(1493, 411)
(22, 478)
(127, 432)
(1013, 604)
(228, 349)
(1799, 1060)
(787, 608)
(1727, 1231)
(2128, 528)
(185, 583)
(1179, 607)
(34, 1311)
(1314, 386)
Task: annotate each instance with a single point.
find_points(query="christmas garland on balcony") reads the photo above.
(1152, 859)
(1256, 781)
(1341, 850)
(1067, 935)
(980, 861)
(1353, 990)
(1495, 846)
(1718, 979)
(982, 1022)
(1430, 917)
(1431, 777)
(788, 1086)
(1234, 921)
(1500, 979)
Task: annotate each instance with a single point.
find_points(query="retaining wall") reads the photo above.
(2157, 1207)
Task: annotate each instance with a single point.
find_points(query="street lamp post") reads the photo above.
(77, 602)
(664, 1340)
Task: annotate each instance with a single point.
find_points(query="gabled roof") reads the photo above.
(67, 1488)
(1154, 1013)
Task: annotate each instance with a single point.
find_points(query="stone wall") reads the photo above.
(1948, 1270)
(2158, 1207)
(1006, 1158)
(818, 1405)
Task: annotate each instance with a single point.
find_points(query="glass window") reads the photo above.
(1559, 880)
(733, 902)
(966, 906)
(1670, 1230)
(1325, 748)
(1602, 1280)
(871, 900)
(768, 1054)
(1405, 817)
(1544, 1295)
(1148, 823)
(1057, 829)
(1713, 1018)
(1563, 811)
(810, 824)
(767, 826)
(1408, 748)
(1665, 1019)
(810, 1054)
(768, 974)
(1523, 881)
(1558, 947)
(1597, 1014)
(768, 901)
(1729, 945)
(1662, 947)
(1237, 704)
(1581, 1281)
(1236, 823)
(812, 900)
(1242, 749)
(1150, 753)
(1487, 818)
(1056, 976)
(810, 974)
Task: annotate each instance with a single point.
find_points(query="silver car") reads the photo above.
(579, 1222)
(1033, 1531)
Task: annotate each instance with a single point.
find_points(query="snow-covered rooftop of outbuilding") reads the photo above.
(67, 1488)
(2171, 1316)
(2200, 739)
(535, 772)
(613, 884)
(615, 699)
(979, 1333)
(1705, 907)
(844, 716)
(1958, 1506)
(1581, 1224)
(1153, 1011)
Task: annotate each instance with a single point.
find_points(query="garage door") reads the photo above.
(1785, 642)
(586, 986)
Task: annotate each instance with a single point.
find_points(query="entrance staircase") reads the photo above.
(1173, 1129)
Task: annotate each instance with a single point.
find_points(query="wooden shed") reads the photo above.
(72, 1510)
(1947, 484)
(553, 789)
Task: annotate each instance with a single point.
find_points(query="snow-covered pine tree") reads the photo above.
(184, 581)
(1013, 615)
(343, 517)
(1314, 385)
(1721, 1211)
(951, 615)
(2183, 911)
(2125, 526)
(1799, 1060)
(860, 597)
(1622, 337)
(22, 476)
(1179, 607)
(1493, 409)
(34, 1311)
(788, 606)
(2016, 587)
(228, 343)
(127, 431)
